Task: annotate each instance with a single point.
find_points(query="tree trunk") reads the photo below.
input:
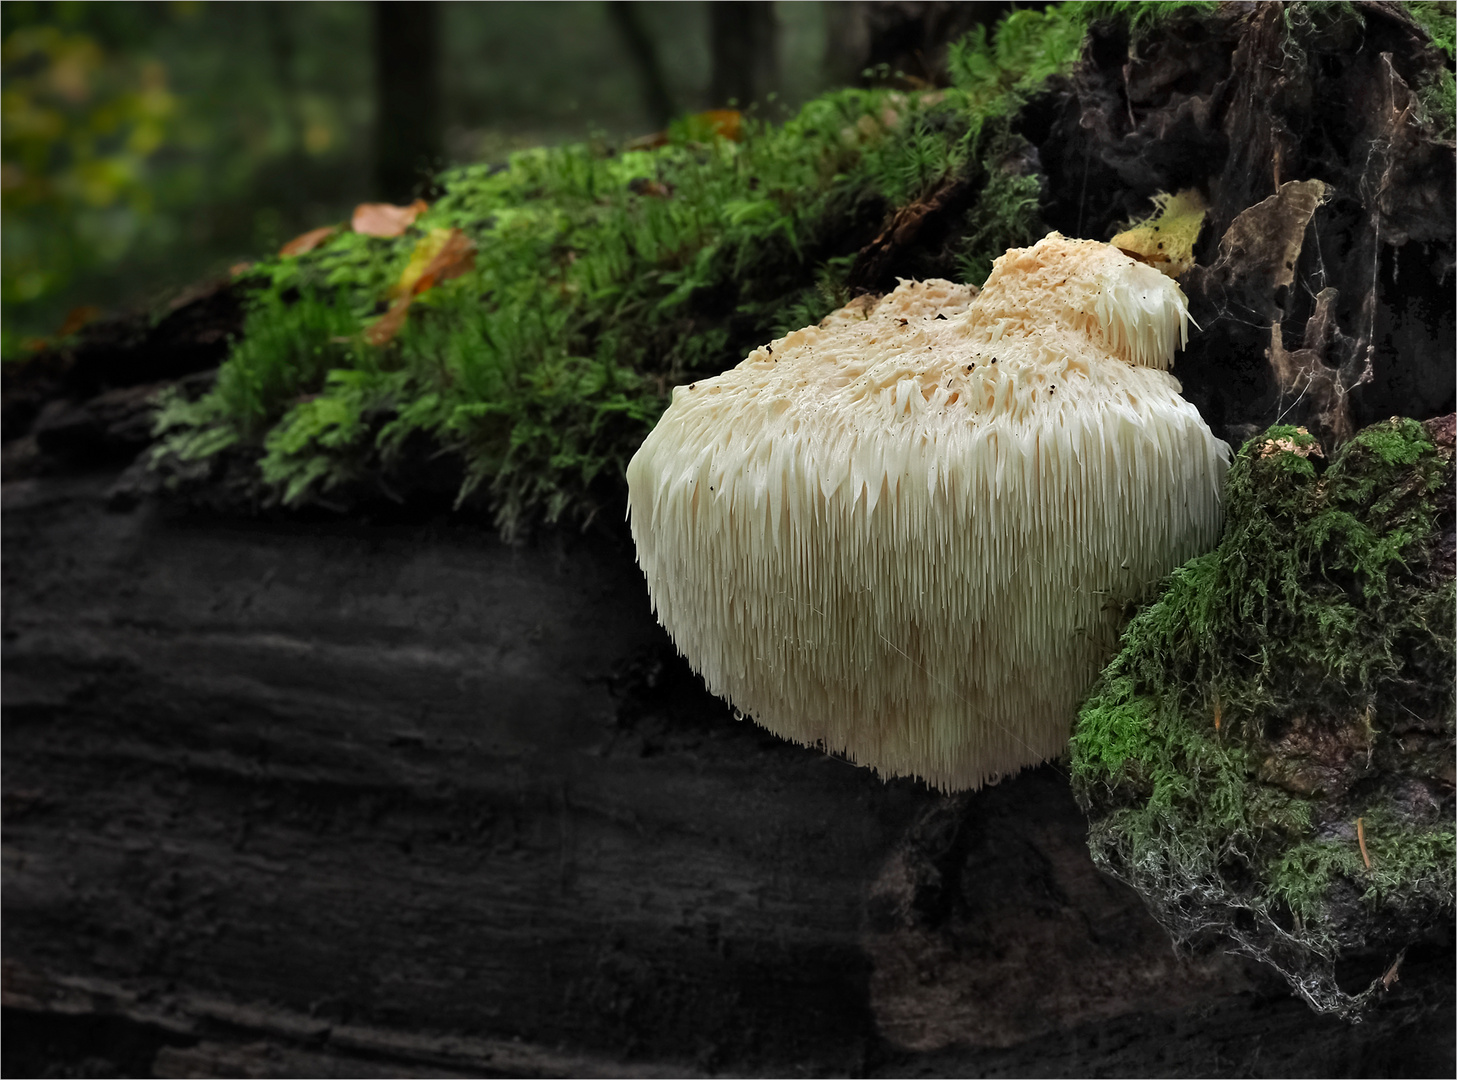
(408, 131)
(657, 99)
(743, 43)
(350, 799)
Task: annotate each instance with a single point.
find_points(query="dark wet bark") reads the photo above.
(122, 352)
(1239, 106)
(911, 230)
(324, 798)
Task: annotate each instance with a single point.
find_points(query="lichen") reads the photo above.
(1268, 760)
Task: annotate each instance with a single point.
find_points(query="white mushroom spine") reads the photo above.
(906, 537)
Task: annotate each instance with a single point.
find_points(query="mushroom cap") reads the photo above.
(905, 534)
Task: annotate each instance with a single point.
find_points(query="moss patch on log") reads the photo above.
(1269, 759)
(603, 276)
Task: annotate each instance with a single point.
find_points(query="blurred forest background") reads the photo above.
(146, 146)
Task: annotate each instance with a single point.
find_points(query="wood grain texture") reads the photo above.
(285, 798)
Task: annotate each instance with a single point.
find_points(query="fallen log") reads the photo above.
(288, 796)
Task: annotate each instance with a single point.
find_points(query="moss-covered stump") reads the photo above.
(1269, 759)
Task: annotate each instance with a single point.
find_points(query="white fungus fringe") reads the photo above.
(906, 534)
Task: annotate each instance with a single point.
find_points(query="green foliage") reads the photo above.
(998, 72)
(1143, 19)
(78, 130)
(1005, 215)
(1437, 101)
(1437, 93)
(1216, 750)
(286, 352)
(193, 431)
(600, 280)
(149, 145)
(1439, 19)
(286, 349)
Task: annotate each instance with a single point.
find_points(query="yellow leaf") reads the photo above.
(726, 123)
(440, 255)
(1165, 240)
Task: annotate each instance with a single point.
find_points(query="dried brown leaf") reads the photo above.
(384, 329)
(654, 189)
(720, 123)
(386, 219)
(308, 241)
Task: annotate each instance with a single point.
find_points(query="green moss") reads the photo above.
(603, 278)
(1295, 679)
(1439, 19)
(1437, 90)
(1404, 862)
(286, 351)
(1005, 216)
(998, 71)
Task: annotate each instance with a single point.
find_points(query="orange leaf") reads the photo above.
(726, 122)
(385, 219)
(76, 318)
(384, 329)
(308, 241)
(699, 127)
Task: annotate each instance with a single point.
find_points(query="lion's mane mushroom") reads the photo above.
(905, 533)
